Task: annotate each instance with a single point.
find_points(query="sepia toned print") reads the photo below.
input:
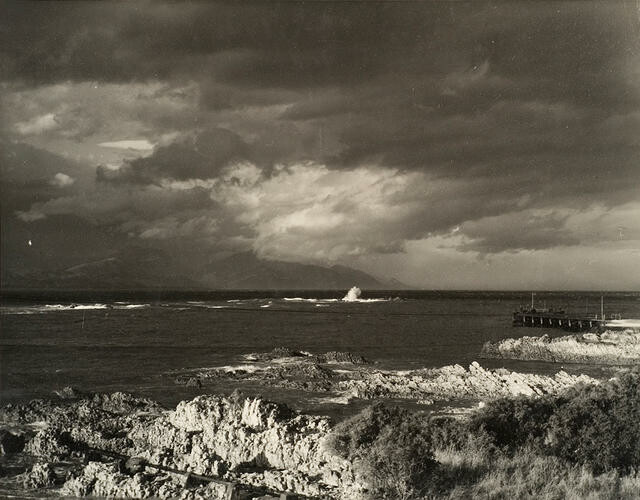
(318, 249)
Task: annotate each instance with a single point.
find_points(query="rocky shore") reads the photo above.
(213, 446)
(348, 377)
(455, 382)
(609, 347)
(117, 445)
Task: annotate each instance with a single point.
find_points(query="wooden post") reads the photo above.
(230, 492)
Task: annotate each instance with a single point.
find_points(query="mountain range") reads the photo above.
(144, 269)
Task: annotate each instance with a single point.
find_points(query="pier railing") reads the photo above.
(549, 319)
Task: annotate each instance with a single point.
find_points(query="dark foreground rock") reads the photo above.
(341, 357)
(282, 353)
(610, 347)
(10, 442)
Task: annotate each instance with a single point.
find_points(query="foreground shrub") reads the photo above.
(583, 443)
(599, 425)
(514, 422)
(594, 425)
(390, 449)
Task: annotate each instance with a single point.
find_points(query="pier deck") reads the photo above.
(549, 319)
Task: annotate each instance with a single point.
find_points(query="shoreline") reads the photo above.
(606, 348)
(345, 377)
(81, 442)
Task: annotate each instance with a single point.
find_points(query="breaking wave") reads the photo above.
(47, 308)
(623, 323)
(73, 307)
(353, 295)
(300, 299)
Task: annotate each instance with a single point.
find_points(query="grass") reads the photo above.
(524, 475)
(581, 444)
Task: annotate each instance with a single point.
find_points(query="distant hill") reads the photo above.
(247, 271)
(150, 269)
(107, 274)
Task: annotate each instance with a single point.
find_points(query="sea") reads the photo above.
(138, 341)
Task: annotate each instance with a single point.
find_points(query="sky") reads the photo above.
(451, 145)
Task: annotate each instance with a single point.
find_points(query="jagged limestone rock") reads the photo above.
(611, 347)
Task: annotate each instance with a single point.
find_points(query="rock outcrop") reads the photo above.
(117, 445)
(424, 386)
(341, 357)
(41, 475)
(284, 353)
(293, 374)
(252, 441)
(259, 445)
(283, 368)
(105, 480)
(456, 382)
(610, 347)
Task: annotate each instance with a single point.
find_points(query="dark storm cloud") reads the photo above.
(294, 44)
(28, 174)
(279, 43)
(218, 97)
(198, 157)
(518, 232)
(577, 52)
(514, 105)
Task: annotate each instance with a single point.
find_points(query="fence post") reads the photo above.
(230, 492)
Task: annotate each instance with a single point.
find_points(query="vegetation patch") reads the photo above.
(390, 449)
(584, 442)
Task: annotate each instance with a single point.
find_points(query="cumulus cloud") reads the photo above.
(38, 124)
(199, 156)
(334, 131)
(30, 216)
(88, 114)
(313, 211)
(62, 180)
(298, 210)
(363, 215)
(202, 226)
(136, 144)
(200, 185)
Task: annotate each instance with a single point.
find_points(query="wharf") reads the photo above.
(551, 319)
(533, 317)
